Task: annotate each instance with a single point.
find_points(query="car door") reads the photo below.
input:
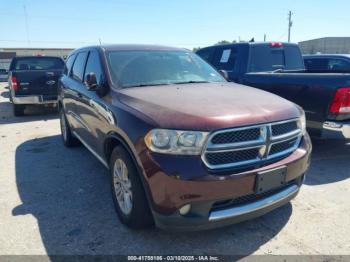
(75, 83)
(67, 94)
(92, 108)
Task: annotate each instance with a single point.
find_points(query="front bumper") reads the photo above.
(225, 217)
(169, 188)
(336, 130)
(34, 100)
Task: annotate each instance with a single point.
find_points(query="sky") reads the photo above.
(180, 23)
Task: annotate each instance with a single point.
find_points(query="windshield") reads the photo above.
(142, 68)
(38, 63)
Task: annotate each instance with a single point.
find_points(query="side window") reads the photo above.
(78, 67)
(316, 64)
(338, 65)
(94, 65)
(206, 54)
(225, 59)
(68, 65)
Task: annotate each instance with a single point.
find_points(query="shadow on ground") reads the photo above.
(67, 191)
(330, 162)
(32, 113)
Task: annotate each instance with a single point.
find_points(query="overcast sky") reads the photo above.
(183, 23)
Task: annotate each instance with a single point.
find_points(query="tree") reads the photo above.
(195, 49)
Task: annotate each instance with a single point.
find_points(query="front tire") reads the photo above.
(18, 110)
(68, 138)
(127, 191)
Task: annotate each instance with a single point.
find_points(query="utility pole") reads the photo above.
(26, 25)
(290, 24)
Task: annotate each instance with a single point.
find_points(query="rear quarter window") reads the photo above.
(38, 63)
(225, 59)
(68, 65)
(78, 67)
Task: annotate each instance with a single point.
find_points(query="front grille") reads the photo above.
(283, 146)
(247, 199)
(236, 136)
(255, 145)
(232, 156)
(284, 128)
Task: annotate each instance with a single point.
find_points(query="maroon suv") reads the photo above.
(185, 148)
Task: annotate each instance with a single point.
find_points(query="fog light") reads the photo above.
(185, 209)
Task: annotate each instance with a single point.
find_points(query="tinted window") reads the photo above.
(225, 59)
(38, 63)
(69, 64)
(339, 65)
(94, 65)
(135, 68)
(294, 58)
(265, 58)
(78, 67)
(206, 54)
(316, 64)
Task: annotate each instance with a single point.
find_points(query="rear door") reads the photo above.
(73, 93)
(91, 107)
(38, 75)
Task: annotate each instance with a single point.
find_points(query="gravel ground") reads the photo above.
(55, 200)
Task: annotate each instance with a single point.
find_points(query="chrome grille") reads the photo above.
(251, 145)
(236, 136)
(280, 129)
(232, 156)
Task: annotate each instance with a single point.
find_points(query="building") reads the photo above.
(6, 54)
(326, 45)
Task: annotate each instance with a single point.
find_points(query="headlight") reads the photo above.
(176, 141)
(302, 122)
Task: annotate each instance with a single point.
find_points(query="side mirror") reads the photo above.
(224, 74)
(91, 81)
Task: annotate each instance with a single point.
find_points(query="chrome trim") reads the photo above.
(254, 206)
(336, 130)
(264, 142)
(31, 100)
(79, 120)
(91, 150)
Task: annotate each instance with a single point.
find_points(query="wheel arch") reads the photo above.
(113, 140)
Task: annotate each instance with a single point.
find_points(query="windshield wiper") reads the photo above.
(141, 85)
(190, 82)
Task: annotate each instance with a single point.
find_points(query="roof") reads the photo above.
(328, 55)
(249, 43)
(134, 47)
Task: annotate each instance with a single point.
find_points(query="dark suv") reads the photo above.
(185, 148)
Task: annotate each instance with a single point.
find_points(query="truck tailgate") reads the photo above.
(37, 82)
(312, 91)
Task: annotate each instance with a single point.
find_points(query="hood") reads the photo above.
(206, 106)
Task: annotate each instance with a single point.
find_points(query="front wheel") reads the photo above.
(68, 139)
(127, 191)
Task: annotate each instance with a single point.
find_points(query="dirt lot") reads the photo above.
(55, 200)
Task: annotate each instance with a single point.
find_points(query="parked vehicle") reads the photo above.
(33, 80)
(185, 148)
(279, 68)
(327, 63)
(3, 74)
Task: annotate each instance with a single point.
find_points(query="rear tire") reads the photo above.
(127, 191)
(67, 137)
(18, 110)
